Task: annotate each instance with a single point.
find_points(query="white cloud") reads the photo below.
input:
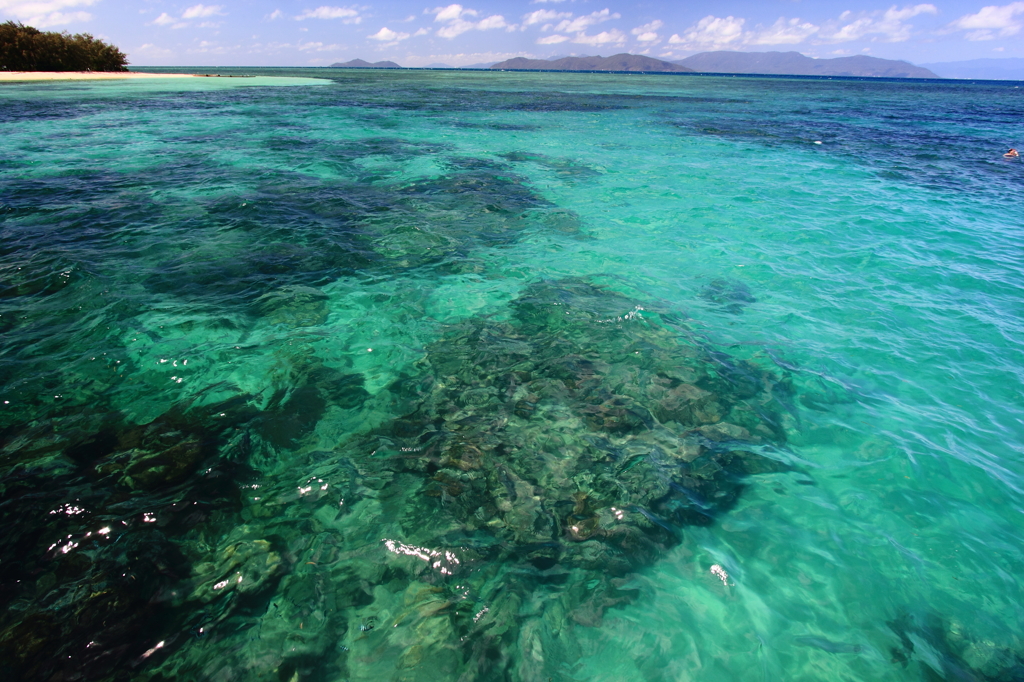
(993, 21)
(422, 32)
(276, 14)
(711, 33)
(783, 32)
(493, 21)
(348, 15)
(851, 31)
(463, 59)
(206, 47)
(614, 36)
(152, 51)
(452, 13)
(888, 26)
(458, 20)
(542, 15)
(318, 47)
(648, 33)
(20, 8)
(193, 12)
(908, 12)
(586, 21)
(202, 11)
(309, 47)
(386, 35)
(579, 26)
(45, 13)
(61, 18)
(717, 33)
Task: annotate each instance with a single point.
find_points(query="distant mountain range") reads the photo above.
(796, 64)
(773, 63)
(360, 64)
(1006, 69)
(770, 63)
(619, 62)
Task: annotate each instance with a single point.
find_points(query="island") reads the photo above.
(796, 64)
(766, 63)
(361, 64)
(619, 62)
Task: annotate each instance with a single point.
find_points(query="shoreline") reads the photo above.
(25, 76)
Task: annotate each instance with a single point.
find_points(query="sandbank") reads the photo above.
(83, 75)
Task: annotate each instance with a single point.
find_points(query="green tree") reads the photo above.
(23, 48)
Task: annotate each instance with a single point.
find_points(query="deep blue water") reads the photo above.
(439, 375)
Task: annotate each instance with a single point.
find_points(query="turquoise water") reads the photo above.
(508, 376)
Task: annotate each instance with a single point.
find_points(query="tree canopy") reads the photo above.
(23, 48)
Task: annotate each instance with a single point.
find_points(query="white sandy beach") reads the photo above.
(6, 76)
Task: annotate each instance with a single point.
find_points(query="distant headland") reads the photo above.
(768, 63)
(796, 64)
(360, 64)
(749, 63)
(619, 62)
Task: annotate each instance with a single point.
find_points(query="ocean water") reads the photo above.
(510, 376)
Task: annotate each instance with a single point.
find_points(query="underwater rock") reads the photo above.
(292, 413)
(289, 624)
(429, 221)
(828, 645)
(94, 571)
(39, 273)
(162, 457)
(365, 224)
(496, 126)
(8, 320)
(945, 650)
(577, 421)
(823, 397)
(86, 622)
(247, 268)
(242, 565)
(163, 452)
(731, 295)
(568, 443)
(392, 148)
(563, 168)
(295, 306)
(532, 464)
(530, 467)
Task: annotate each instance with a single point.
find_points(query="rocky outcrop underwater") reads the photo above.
(502, 495)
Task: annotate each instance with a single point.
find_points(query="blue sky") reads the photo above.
(414, 33)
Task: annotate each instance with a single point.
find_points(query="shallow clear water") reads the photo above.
(480, 376)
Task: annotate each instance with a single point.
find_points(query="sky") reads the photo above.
(414, 33)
